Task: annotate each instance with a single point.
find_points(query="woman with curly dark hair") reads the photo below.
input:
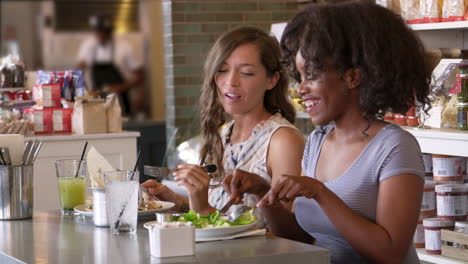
(364, 180)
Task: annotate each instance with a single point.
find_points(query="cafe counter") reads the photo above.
(50, 238)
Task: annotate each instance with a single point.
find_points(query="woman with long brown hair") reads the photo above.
(244, 82)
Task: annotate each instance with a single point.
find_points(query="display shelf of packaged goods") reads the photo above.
(436, 258)
(441, 140)
(439, 26)
(15, 89)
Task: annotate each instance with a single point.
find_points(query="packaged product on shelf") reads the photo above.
(11, 72)
(11, 122)
(428, 205)
(462, 116)
(453, 10)
(462, 79)
(71, 82)
(430, 11)
(114, 114)
(89, 116)
(41, 119)
(448, 168)
(47, 95)
(21, 127)
(61, 120)
(393, 5)
(418, 238)
(432, 230)
(451, 201)
(410, 11)
(427, 159)
(443, 87)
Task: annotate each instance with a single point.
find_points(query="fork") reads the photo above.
(161, 172)
(238, 212)
(143, 189)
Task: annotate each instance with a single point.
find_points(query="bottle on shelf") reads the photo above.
(462, 93)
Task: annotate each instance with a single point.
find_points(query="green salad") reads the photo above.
(216, 219)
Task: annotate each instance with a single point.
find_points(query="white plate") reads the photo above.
(202, 234)
(81, 209)
(165, 206)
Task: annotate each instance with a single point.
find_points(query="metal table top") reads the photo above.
(51, 238)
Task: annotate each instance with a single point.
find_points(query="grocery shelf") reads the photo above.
(436, 258)
(441, 141)
(439, 26)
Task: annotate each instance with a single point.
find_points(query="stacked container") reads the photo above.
(448, 169)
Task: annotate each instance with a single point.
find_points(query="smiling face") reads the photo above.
(326, 95)
(242, 81)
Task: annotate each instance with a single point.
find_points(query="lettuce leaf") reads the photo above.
(216, 219)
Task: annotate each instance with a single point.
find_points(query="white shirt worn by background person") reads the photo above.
(123, 57)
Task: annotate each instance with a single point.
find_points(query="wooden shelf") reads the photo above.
(440, 26)
(436, 258)
(441, 141)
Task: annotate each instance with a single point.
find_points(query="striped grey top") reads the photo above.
(391, 152)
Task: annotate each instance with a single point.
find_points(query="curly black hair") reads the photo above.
(368, 37)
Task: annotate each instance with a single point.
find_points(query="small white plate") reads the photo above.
(204, 234)
(165, 206)
(81, 209)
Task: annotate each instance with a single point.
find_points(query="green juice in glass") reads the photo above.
(71, 192)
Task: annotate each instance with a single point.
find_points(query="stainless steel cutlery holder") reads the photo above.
(16, 192)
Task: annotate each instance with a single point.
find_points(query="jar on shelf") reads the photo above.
(448, 169)
(428, 205)
(462, 115)
(462, 82)
(432, 231)
(418, 237)
(451, 201)
(427, 158)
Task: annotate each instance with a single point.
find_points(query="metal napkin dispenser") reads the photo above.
(16, 192)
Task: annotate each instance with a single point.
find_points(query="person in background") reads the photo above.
(112, 66)
(361, 192)
(243, 79)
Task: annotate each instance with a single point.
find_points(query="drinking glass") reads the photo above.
(71, 179)
(122, 200)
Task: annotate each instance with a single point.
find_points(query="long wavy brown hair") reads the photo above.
(212, 112)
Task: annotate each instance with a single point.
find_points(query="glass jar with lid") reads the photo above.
(462, 115)
(462, 78)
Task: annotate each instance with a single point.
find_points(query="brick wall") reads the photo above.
(190, 28)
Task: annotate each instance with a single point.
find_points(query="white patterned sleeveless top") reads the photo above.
(249, 156)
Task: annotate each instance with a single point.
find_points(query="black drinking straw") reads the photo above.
(82, 156)
(136, 165)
